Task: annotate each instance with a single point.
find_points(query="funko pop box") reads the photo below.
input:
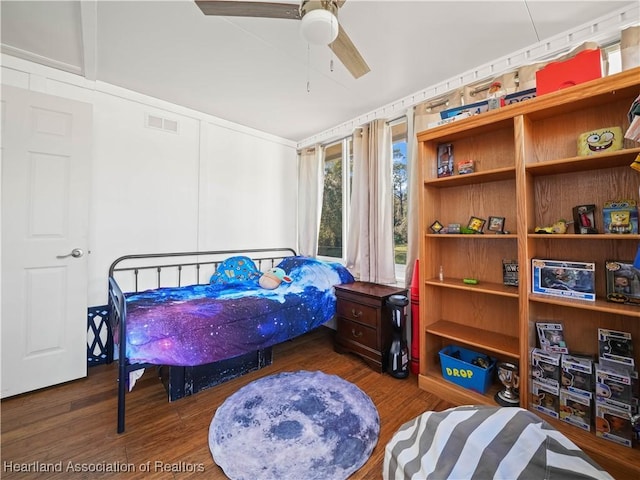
(564, 278)
(545, 366)
(620, 216)
(613, 387)
(614, 424)
(623, 282)
(576, 408)
(615, 349)
(545, 398)
(551, 337)
(577, 373)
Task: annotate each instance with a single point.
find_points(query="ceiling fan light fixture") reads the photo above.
(319, 27)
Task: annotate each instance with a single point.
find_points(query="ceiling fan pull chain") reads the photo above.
(308, 68)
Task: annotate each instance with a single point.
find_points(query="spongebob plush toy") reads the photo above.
(273, 278)
(599, 141)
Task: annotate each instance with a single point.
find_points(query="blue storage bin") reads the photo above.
(463, 372)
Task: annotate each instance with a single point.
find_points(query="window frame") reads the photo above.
(400, 125)
(347, 174)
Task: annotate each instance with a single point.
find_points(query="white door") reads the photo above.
(46, 162)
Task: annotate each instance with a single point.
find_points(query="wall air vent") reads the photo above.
(159, 123)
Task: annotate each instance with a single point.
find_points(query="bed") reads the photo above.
(203, 318)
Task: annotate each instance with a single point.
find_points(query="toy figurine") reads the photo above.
(559, 227)
(620, 222)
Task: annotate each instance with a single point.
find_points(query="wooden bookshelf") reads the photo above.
(527, 171)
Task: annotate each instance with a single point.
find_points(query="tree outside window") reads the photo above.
(335, 200)
(400, 205)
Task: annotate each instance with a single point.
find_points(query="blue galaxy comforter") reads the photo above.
(200, 324)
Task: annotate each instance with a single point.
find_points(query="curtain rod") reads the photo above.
(311, 148)
(398, 119)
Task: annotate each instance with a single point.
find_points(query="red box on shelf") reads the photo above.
(585, 66)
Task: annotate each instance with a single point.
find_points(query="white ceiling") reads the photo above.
(255, 71)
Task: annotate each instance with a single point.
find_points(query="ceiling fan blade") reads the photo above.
(249, 9)
(340, 3)
(348, 54)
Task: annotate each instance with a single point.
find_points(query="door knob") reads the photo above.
(75, 253)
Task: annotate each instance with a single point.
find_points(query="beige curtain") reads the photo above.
(370, 235)
(417, 120)
(310, 190)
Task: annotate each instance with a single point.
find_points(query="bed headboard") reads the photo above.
(138, 272)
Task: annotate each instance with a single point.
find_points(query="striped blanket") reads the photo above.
(484, 443)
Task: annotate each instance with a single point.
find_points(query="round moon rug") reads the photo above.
(294, 425)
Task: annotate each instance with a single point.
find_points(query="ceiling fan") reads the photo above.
(319, 24)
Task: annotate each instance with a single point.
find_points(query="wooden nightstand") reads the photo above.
(364, 321)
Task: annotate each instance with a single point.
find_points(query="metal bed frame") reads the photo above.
(203, 264)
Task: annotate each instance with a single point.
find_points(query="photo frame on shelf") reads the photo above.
(436, 227)
(496, 224)
(584, 221)
(476, 224)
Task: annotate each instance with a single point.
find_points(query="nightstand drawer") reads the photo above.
(357, 312)
(355, 332)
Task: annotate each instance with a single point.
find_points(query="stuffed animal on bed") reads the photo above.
(273, 278)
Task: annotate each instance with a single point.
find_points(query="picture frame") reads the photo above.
(476, 224)
(584, 221)
(496, 224)
(436, 227)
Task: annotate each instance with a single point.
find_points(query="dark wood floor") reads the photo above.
(75, 423)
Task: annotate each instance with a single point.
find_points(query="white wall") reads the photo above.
(213, 185)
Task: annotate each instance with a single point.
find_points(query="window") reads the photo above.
(613, 57)
(338, 167)
(338, 171)
(400, 185)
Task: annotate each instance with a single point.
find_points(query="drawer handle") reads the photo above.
(356, 334)
(355, 313)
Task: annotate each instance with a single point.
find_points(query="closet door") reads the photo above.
(46, 165)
